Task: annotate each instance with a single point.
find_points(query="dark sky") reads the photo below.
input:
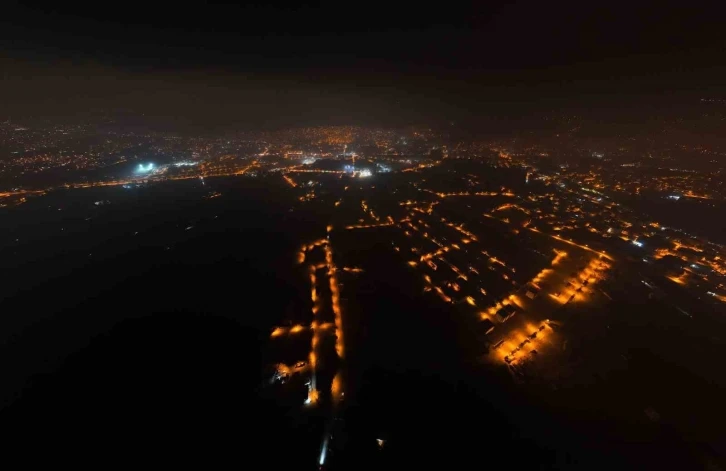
(340, 62)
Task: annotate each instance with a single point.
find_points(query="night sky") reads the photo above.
(267, 64)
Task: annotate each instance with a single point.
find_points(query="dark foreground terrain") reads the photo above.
(155, 355)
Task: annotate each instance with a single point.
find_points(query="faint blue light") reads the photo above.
(323, 452)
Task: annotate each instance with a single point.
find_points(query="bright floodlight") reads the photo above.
(365, 173)
(144, 169)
